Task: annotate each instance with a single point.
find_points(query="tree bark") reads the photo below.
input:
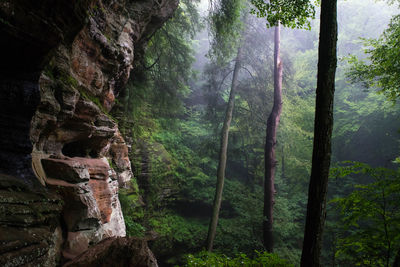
(270, 160)
(222, 154)
(316, 211)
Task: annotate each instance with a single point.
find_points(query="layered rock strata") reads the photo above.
(30, 232)
(63, 64)
(116, 252)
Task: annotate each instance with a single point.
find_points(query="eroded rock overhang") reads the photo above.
(62, 65)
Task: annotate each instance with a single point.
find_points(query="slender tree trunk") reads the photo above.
(316, 207)
(222, 154)
(270, 160)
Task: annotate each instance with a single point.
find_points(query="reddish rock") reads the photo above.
(78, 242)
(84, 51)
(116, 252)
(76, 170)
(103, 195)
(119, 153)
(86, 110)
(98, 168)
(72, 171)
(92, 210)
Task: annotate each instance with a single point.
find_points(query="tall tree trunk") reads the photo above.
(270, 160)
(222, 154)
(316, 207)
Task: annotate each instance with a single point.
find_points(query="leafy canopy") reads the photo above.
(290, 13)
(370, 216)
(225, 28)
(382, 68)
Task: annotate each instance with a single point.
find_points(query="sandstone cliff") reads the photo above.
(62, 157)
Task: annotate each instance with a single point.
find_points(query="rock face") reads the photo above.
(90, 192)
(117, 252)
(29, 225)
(63, 64)
(30, 30)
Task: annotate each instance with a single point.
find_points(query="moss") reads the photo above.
(110, 163)
(58, 75)
(107, 35)
(48, 71)
(69, 80)
(132, 210)
(96, 100)
(93, 99)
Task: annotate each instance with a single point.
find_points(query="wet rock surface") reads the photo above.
(29, 225)
(118, 252)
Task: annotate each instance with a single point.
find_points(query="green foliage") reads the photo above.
(225, 27)
(370, 216)
(132, 210)
(194, 174)
(162, 78)
(292, 13)
(173, 125)
(296, 132)
(110, 162)
(133, 228)
(382, 69)
(364, 118)
(177, 233)
(241, 259)
(288, 211)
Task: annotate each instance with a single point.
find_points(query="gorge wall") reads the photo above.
(62, 157)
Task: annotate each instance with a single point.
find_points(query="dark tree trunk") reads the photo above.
(270, 160)
(222, 154)
(316, 211)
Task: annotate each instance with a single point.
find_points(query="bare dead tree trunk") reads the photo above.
(316, 207)
(222, 154)
(270, 160)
